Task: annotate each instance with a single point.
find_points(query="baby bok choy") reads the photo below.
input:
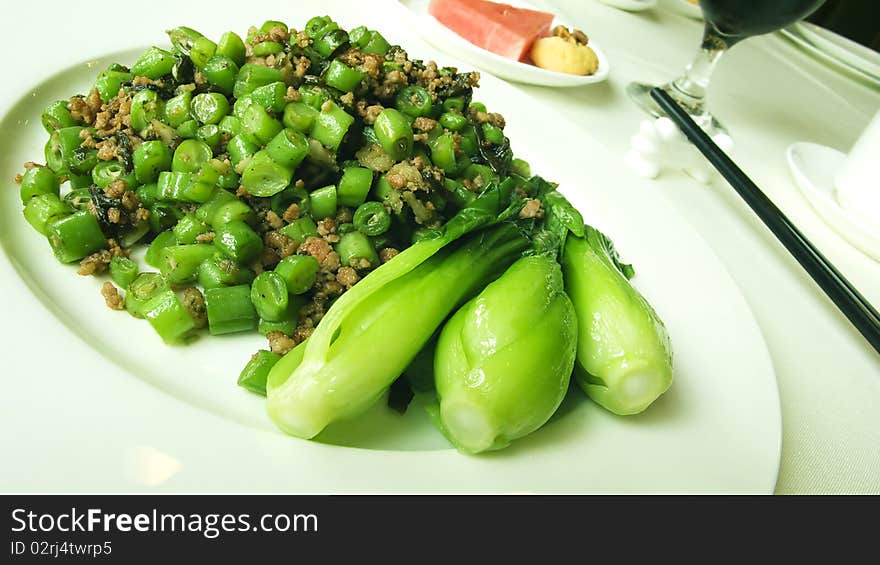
(373, 332)
(624, 352)
(504, 360)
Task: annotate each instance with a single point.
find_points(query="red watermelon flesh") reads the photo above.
(499, 28)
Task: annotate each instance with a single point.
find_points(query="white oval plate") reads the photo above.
(450, 42)
(813, 167)
(93, 401)
(631, 5)
(684, 8)
(840, 53)
(848, 51)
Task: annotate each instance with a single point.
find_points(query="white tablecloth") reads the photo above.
(769, 94)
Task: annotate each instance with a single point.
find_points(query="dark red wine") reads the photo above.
(734, 20)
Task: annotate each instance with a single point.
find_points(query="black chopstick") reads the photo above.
(853, 305)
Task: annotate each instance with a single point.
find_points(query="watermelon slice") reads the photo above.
(499, 28)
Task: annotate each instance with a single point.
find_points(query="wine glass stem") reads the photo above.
(690, 88)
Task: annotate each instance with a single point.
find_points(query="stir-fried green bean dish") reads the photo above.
(359, 209)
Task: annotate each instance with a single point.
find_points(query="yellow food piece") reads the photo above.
(564, 56)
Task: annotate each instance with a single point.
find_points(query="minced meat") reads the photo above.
(111, 295)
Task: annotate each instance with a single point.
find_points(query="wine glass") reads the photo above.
(727, 23)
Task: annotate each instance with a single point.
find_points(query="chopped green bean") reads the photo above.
(201, 51)
(164, 239)
(230, 309)
(331, 125)
(323, 202)
(221, 71)
(57, 116)
(219, 271)
(209, 107)
(354, 186)
(300, 229)
(413, 101)
(394, 133)
(179, 264)
(150, 159)
(238, 241)
(190, 155)
(272, 96)
(252, 76)
(298, 272)
(141, 289)
(299, 116)
(234, 210)
(264, 176)
(188, 228)
(154, 63)
(342, 77)
(254, 375)
(36, 181)
(231, 45)
(269, 296)
(75, 236)
(43, 209)
(355, 246)
(288, 148)
(123, 270)
(258, 126)
(168, 317)
(145, 107)
(371, 218)
(107, 172)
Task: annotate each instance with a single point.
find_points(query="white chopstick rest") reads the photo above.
(659, 145)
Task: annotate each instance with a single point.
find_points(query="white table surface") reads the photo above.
(769, 95)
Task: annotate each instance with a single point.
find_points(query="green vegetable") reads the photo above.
(371, 218)
(269, 296)
(503, 361)
(264, 176)
(230, 309)
(57, 116)
(145, 107)
(141, 290)
(107, 172)
(164, 239)
(354, 186)
(179, 264)
(168, 317)
(36, 181)
(253, 376)
(424, 284)
(123, 270)
(331, 124)
(43, 209)
(323, 202)
(75, 236)
(342, 77)
(209, 108)
(217, 272)
(353, 247)
(150, 159)
(154, 64)
(394, 133)
(238, 241)
(298, 272)
(221, 71)
(231, 45)
(623, 348)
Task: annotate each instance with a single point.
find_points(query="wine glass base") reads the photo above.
(640, 93)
